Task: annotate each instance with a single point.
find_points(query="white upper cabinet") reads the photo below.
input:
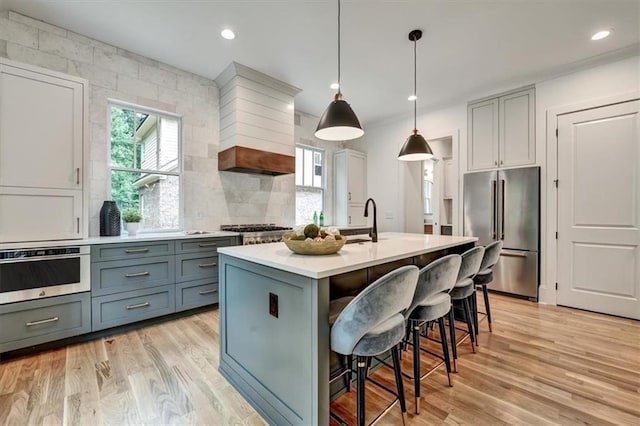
(42, 154)
(41, 129)
(350, 187)
(501, 131)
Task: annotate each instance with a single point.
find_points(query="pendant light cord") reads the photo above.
(415, 85)
(339, 85)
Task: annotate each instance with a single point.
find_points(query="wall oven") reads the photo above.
(43, 272)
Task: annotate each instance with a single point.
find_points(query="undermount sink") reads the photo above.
(358, 240)
(197, 232)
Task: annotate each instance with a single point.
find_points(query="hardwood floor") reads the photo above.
(541, 365)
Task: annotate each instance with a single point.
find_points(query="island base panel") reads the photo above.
(274, 361)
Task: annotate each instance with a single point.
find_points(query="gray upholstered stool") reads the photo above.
(485, 276)
(373, 323)
(461, 293)
(432, 302)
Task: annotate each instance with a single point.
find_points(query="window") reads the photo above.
(309, 183)
(145, 165)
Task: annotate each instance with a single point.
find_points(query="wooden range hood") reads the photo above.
(248, 160)
(256, 122)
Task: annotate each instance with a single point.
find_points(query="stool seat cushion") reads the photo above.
(462, 292)
(382, 337)
(435, 307)
(483, 277)
(336, 307)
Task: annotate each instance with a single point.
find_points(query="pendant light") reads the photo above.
(339, 122)
(415, 147)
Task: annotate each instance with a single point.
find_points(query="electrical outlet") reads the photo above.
(273, 305)
(388, 215)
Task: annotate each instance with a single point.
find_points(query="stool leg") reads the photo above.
(445, 349)
(399, 384)
(485, 293)
(452, 332)
(362, 375)
(467, 313)
(474, 312)
(349, 370)
(416, 363)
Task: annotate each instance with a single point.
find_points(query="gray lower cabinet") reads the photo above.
(131, 274)
(197, 272)
(193, 294)
(140, 280)
(131, 306)
(44, 320)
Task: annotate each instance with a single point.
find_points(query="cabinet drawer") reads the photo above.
(194, 267)
(203, 244)
(117, 309)
(107, 252)
(193, 294)
(44, 320)
(135, 274)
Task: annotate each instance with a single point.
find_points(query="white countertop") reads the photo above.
(390, 246)
(119, 239)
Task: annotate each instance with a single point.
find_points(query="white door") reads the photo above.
(357, 178)
(599, 209)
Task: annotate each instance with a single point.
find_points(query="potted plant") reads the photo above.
(132, 217)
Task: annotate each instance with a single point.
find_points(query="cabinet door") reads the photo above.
(40, 214)
(355, 215)
(450, 181)
(517, 129)
(356, 178)
(41, 130)
(482, 143)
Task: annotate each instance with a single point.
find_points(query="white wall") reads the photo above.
(391, 182)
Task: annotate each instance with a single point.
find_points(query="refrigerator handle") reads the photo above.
(494, 187)
(502, 209)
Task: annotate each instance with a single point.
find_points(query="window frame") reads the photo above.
(323, 179)
(179, 173)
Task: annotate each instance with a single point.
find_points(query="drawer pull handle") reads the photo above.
(203, 292)
(44, 321)
(136, 274)
(207, 265)
(207, 244)
(139, 305)
(142, 250)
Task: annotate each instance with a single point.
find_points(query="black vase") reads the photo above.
(109, 219)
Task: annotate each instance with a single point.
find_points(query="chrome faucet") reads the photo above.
(374, 231)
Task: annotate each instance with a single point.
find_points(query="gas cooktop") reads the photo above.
(254, 228)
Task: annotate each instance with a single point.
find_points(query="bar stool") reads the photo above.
(485, 276)
(461, 293)
(373, 323)
(432, 302)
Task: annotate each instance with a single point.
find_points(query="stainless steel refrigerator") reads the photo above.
(505, 205)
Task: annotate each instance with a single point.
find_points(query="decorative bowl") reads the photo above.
(314, 247)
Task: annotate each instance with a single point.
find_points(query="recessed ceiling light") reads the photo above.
(412, 97)
(600, 35)
(335, 86)
(228, 34)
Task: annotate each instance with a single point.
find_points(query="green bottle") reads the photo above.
(321, 218)
(315, 217)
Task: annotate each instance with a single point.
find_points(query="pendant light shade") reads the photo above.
(415, 147)
(339, 122)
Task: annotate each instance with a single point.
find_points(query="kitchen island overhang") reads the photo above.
(274, 316)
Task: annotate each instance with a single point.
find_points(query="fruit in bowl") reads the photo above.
(311, 239)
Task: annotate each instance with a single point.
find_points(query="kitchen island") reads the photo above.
(274, 315)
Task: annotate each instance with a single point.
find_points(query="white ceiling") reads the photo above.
(469, 47)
